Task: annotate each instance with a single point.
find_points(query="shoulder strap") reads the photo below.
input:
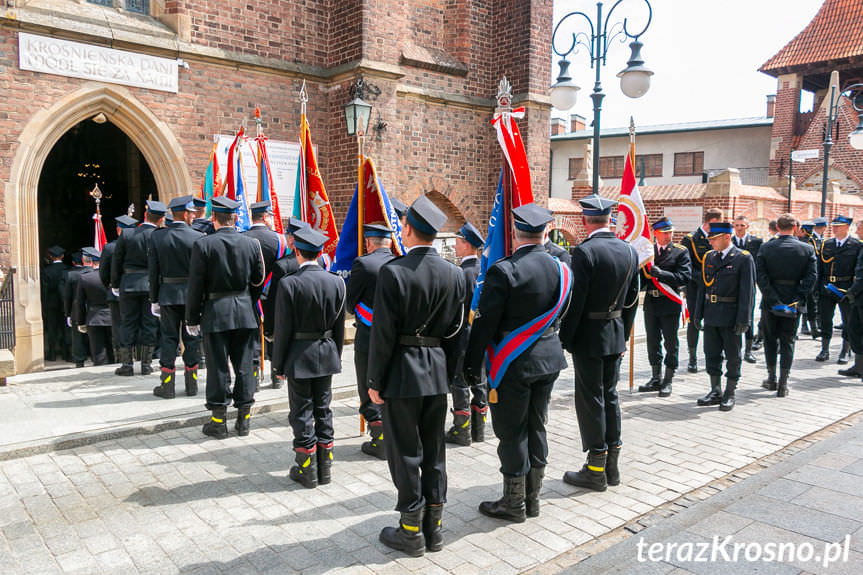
(437, 307)
(633, 261)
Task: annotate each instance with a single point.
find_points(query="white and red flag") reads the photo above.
(632, 225)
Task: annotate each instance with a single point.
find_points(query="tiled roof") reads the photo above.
(835, 33)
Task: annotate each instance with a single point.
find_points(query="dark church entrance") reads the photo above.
(88, 154)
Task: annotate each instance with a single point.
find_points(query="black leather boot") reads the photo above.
(127, 369)
(653, 384)
(165, 389)
(804, 329)
(147, 359)
(477, 422)
(375, 447)
(747, 355)
(782, 386)
(715, 394)
(855, 370)
(770, 383)
(217, 427)
(305, 472)
(276, 381)
(592, 473)
(325, 463)
(759, 340)
(191, 380)
(692, 367)
(727, 403)
(844, 352)
(612, 471)
(432, 526)
(531, 491)
(824, 355)
(244, 417)
(511, 506)
(665, 386)
(408, 536)
(459, 433)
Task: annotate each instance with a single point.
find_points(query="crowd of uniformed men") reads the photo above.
(179, 282)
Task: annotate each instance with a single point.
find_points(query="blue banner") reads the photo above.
(495, 241)
(244, 222)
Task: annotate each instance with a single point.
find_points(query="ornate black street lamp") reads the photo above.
(634, 79)
(855, 138)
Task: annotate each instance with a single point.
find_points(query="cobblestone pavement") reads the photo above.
(176, 502)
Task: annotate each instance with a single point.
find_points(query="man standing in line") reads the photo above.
(130, 282)
(469, 413)
(170, 255)
(750, 243)
(835, 275)
(310, 332)
(697, 244)
(52, 305)
(811, 317)
(522, 300)
(225, 270)
(80, 344)
(91, 315)
(786, 275)
(594, 331)
(723, 311)
(361, 300)
(418, 314)
(671, 270)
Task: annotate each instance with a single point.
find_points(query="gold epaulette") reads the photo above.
(745, 252)
(681, 246)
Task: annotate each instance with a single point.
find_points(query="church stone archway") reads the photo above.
(159, 146)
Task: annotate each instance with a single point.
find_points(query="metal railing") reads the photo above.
(7, 311)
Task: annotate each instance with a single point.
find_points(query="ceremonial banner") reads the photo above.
(632, 224)
(265, 180)
(495, 242)
(99, 239)
(311, 203)
(377, 208)
(211, 183)
(235, 187)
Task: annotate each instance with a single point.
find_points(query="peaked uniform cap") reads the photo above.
(56, 251)
(295, 224)
(261, 207)
(199, 202)
(471, 235)
(595, 205)
(180, 204)
(819, 221)
(531, 217)
(225, 205)
(125, 221)
(426, 217)
(399, 206)
(719, 228)
(663, 225)
(91, 252)
(309, 239)
(156, 207)
(376, 231)
(840, 220)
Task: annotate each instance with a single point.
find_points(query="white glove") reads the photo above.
(115, 291)
(193, 330)
(68, 322)
(82, 328)
(269, 338)
(155, 309)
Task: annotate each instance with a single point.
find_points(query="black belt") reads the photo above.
(604, 314)
(786, 282)
(834, 279)
(224, 294)
(712, 298)
(550, 330)
(419, 341)
(181, 280)
(313, 335)
(134, 271)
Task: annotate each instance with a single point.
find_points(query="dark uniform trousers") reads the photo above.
(463, 395)
(235, 344)
(80, 345)
(719, 342)
(596, 400)
(780, 333)
(417, 461)
(100, 344)
(661, 330)
(370, 411)
(139, 326)
(519, 419)
(307, 397)
(171, 321)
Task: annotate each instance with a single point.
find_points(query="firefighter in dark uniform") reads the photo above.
(130, 281)
(310, 332)
(52, 305)
(469, 403)
(786, 272)
(80, 345)
(724, 311)
(123, 222)
(697, 244)
(360, 301)
(225, 273)
(91, 315)
(273, 246)
(853, 324)
(750, 243)
(811, 317)
(835, 275)
(594, 331)
(418, 314)
(201, 223)
(526, 292)
(672, 269)
(170, 254)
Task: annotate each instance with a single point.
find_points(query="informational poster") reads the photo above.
(684, 218)
(283, 166)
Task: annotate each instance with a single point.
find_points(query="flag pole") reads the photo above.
(361, 197)
(631, 329)
(503, 109)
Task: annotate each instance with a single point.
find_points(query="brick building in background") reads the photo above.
(433, 68)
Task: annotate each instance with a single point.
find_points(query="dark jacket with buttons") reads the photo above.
(672, 268)
(836, 265)
(129, 264)
(726, 293)
(170, 256)
(786, 272)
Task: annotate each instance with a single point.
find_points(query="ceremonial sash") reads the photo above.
(500, 356)
(838, 292)
(364, 314)
(671, 294)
